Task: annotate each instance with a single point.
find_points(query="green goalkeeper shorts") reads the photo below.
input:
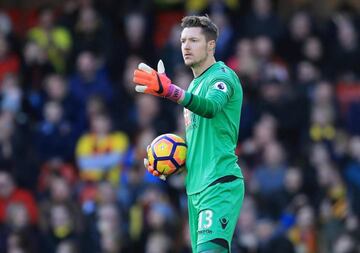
(213, 212)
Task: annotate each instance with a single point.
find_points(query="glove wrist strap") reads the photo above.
(175, 93)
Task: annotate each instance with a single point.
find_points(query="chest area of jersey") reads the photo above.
(198, 88)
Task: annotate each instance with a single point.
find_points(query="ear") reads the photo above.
(212, 45)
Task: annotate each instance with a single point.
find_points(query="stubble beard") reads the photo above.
(195, 64)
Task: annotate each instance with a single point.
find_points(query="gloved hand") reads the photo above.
(156, 82)
(151, 169)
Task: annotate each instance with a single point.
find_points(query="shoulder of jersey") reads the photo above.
(225, 70)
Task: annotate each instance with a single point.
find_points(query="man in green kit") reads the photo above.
(214, 182)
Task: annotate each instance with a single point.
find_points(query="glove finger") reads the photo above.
(143, 75)
(145, 68)
(140, 88)
(160, 67)
(155, 173)
(145, 89)
(140, 80)
(146, 163)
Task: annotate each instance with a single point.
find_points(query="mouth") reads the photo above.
(187, 55)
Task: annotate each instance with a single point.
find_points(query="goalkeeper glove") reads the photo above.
(151, 169)
(156, 83)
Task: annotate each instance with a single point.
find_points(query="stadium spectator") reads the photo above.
(352, 174)
(11, 94)
(61, 228)
(35, 67)
(299, 29)
(303, 235)
(91, 33)
(9, 61)
(268, 180)
(46, 141)
(55, 40)
(56, 89)
(261, 20)
(90, 79)
(100, 152)
(11, 194)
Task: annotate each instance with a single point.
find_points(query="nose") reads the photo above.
(186, 45)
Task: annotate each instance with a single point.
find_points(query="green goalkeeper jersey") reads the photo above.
(212, 118)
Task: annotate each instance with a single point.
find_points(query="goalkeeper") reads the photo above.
(212, 107)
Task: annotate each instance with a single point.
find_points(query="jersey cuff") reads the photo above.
(187, 99)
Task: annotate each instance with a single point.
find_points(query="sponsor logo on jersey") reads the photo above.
(205, 231)
(220, 86)
(224, 221)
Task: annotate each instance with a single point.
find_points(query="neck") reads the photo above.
(199, 68)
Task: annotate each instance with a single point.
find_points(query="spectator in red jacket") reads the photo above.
(10, 193)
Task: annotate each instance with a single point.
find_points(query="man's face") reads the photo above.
(6, 185)
(195, 49)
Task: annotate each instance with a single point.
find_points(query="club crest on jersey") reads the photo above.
(220, 86)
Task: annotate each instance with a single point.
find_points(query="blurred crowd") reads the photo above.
(73, 133)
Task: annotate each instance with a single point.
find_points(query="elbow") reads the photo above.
(209, 115)
(213, 111)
